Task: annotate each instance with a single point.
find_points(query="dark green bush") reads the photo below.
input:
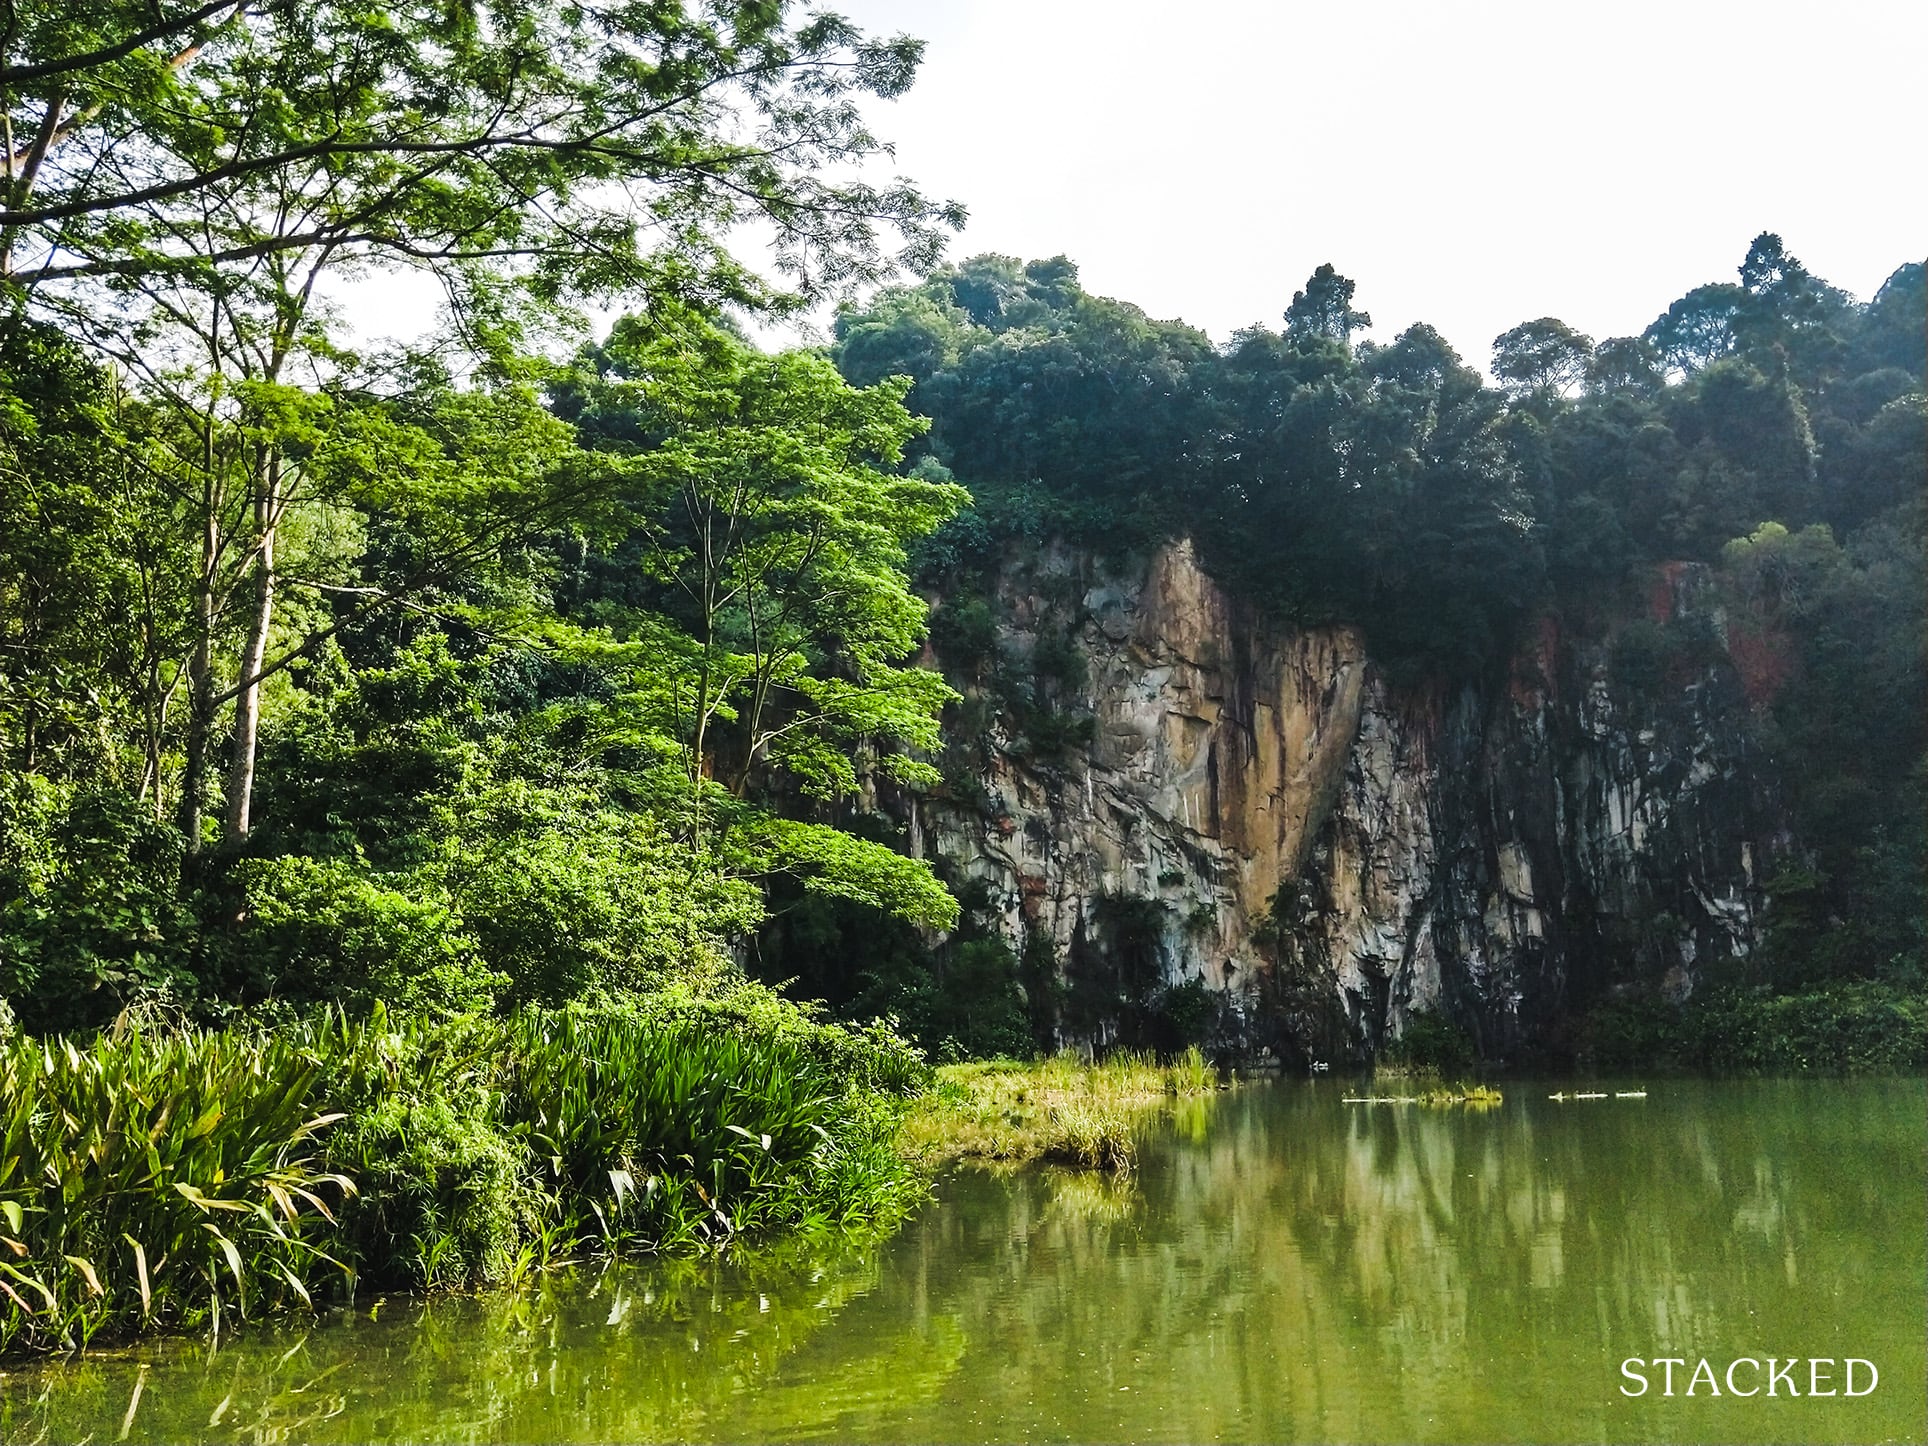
(328, 926)
(1637, 663)
(1866, 1026)
(1431, 1041)
(964, 633)
(979, 1008)
(445, 1195)
(92, 910)
(1184, 1014)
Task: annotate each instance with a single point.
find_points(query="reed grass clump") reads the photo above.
(162, 1180)
(179, 1177)
(1063, 1108)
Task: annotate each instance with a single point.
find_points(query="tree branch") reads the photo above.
(67, 64)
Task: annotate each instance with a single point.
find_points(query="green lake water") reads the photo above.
(1282, 1267)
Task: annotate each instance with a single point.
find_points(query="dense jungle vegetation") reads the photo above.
(462, 677)
(475, 690)
(512, 689)
(495, 673)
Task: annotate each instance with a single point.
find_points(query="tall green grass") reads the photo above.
(183, 1177)
(1062, 1109)
(160, 1180)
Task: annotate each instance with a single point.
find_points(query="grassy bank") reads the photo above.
(179, 1177)
(1060, 1109)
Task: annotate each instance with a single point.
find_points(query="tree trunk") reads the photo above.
(200, 695)
(247, 706)
(23, 169)
(200, 721)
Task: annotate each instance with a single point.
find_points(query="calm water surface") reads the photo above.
(1284, 1267)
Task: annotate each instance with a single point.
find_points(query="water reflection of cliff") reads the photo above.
(1323, 1272)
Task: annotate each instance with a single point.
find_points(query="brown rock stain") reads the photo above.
(1268, 719)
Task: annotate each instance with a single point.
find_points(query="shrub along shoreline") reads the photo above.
(183, 1178)
(178, 1177)
(1855, 1027)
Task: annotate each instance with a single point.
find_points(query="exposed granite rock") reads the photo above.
(1336, 854)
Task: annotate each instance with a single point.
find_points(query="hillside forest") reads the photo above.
(544, 661)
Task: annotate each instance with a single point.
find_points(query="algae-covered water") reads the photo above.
(1282, 1267)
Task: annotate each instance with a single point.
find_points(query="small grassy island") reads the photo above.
(1475, 1097)
(1060, 1109)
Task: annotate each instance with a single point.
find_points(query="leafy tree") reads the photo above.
(570, 143)
(1279, 471)
(1324, 308)
(1891, 333)
(1784, 297)
(323, 928)
(280, 502)
(1542, 359)
(1848, 719)
(911, 334)
(1099, 404)
(472, 842)
(1760, 424)
(193, 179)
(1447, 527)
(1698, 329)
(1625, 364)
(91, 907)
(778, 541)
(989, 289)
(94, 589)
(1879, 467)
(769, 640)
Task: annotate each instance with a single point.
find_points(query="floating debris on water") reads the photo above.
(1475, 1096)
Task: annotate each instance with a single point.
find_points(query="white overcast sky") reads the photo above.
(1472, 163)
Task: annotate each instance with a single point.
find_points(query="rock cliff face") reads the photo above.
(1264, 813)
